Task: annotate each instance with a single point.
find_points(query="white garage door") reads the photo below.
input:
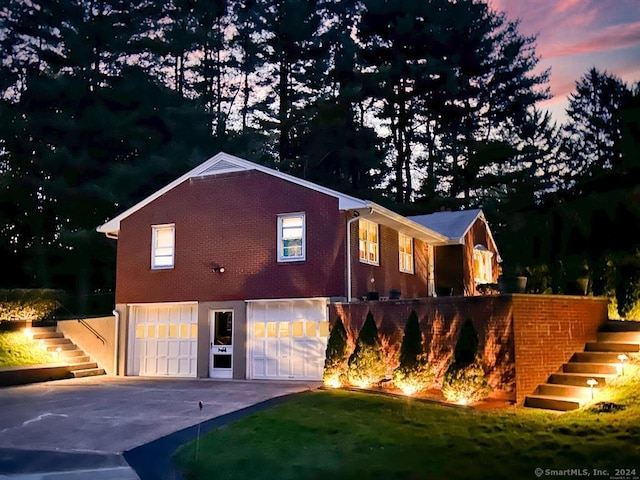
(287, 339)
(165, 339)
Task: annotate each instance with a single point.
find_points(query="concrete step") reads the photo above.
(87, 372)
(552, 402)
(579, 379)
(621, 326)
(46, 335)
(87, 365)
(596, 357)
(591, 368)
(612, 347)
(56, 341)
(72, 353)
(62, 346)
(43, 329)
(619, 337)
(558, 390)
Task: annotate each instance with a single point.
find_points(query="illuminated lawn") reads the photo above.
(16, 349)
(339, 434)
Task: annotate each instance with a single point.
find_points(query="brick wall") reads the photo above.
(522, 338)
(548, 330)
(230, 220)
(387, 275)
(440, 321)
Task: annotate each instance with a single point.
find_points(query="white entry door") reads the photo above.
(221, 356)
(164, 340)
(287, 339)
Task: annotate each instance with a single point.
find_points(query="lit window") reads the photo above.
(368, 244)
(291, 237)
(162, 253)
(482, 264)
(405, 249)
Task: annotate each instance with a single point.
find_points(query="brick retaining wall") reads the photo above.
(522, 338)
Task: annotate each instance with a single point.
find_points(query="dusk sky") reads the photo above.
(575, 35)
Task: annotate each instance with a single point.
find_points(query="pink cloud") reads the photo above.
(610, 38)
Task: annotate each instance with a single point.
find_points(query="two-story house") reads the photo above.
(227, 271)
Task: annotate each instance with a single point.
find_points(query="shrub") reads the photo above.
(335, 363)
(414, 372)
(465, 384)
(628, 285)
(465, 380)
(366, 363)
(28, 304)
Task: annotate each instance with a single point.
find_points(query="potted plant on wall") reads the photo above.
(512, 280)
(372, 294)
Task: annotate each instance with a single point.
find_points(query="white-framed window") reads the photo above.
(482, 264)
(369, 244)
(405, 249)
(163, 246)
(291, 237)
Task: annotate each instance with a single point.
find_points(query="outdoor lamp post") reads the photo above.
(592, 382)
(622, 357)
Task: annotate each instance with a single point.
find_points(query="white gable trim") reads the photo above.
(229, 163)
(481, 217)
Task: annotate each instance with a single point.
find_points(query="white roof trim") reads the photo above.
(483, 218)
(409, 227)
(231, 163)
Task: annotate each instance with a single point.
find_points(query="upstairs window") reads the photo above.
(405, 249)
(482, 264)
(368, 244)
(163, 246)
(291, 237)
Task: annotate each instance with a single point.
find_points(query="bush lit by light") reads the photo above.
(467, 383)
(332, 381)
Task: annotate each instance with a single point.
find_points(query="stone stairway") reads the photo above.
(568, 389)
(79, 363)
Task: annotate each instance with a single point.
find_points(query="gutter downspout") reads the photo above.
(116, 313)
(349, 222)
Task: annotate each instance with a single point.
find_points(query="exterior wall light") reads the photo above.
(218, 269)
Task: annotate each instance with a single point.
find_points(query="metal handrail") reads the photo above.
(82, 322)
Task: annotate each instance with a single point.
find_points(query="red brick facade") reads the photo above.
(230, 220)
(387, 275)
(522, 338)
(548, 330)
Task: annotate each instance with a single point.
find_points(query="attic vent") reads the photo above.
(220, 166)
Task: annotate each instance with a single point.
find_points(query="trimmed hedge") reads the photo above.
(366, 364)
(21, 304)
(414, 373)
(335, 364)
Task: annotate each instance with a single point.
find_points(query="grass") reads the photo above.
(16, 349)
(348, 435)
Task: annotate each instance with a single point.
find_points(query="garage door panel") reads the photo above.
(285, 338)
(165, 340)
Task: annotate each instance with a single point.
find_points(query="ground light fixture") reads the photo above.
(622, 357)
(28, 333)
(592, 382)
(58, 350)
(42, 345)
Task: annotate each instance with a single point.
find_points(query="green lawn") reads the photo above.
(340, 434)
(16, 349)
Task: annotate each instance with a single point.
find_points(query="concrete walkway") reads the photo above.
(79, 428)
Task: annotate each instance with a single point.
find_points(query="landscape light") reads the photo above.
(592, 382)
(42, 345)
(622, 357)
(332, 382)
(58, 350)
(28, 332)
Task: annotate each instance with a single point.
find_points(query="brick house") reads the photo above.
(229, 270)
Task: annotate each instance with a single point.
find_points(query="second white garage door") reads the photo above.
(165, 340)
(287, 339)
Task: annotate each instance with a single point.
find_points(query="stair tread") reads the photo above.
(563, 385)
(542, 396)
(586, 375)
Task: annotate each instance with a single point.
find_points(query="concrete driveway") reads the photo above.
(105, 416)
